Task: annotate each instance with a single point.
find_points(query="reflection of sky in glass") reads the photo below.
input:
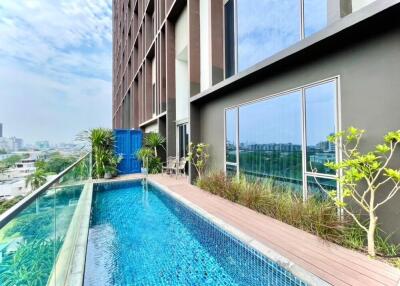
(320, 113)
(315, 16)
(266, 27)
(320, 122)
(275, 120)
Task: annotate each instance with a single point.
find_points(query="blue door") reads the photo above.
(128, 142)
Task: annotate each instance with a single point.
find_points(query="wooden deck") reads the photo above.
(332, 263)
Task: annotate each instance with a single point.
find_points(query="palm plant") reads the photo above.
(102, 143)
(154, 141)
(145, 154)
(36, 179)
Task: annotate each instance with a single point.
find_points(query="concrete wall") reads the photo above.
(358, 4)
(367, 60)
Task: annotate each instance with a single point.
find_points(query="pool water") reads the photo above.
(141, 236)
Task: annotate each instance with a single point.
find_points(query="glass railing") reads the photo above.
(36, 234)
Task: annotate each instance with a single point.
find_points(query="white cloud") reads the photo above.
(55, 67)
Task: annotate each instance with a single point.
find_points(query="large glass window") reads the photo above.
(231, 118)
(270, 139)
(284, 138)
(258, 29)
(315, 16)
(320, 122)
(265, 27)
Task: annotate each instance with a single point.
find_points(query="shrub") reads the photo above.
(315, 216)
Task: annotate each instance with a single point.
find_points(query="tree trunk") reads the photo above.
(371, 234)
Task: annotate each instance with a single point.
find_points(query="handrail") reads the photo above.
(18, 207)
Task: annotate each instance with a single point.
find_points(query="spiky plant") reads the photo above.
(154, 141)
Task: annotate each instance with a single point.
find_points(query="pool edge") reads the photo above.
(271, 254)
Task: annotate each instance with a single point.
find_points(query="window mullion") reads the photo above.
(304, 143)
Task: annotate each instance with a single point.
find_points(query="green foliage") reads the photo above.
(36, 179)
(198, 157)
(56, 163)
(281, 202)
(12, 160)
(6, 204)
(385, 247)
(29, 225)
(277, 201)
(363, 175)
(102, 141)
(154, 141)
(2, 151)
(148, 154)
(30, 265)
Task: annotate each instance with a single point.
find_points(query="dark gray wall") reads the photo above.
(367, 59)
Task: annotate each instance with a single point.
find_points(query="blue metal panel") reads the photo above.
(128, 142)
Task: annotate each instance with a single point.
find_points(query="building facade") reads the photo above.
(263, 82)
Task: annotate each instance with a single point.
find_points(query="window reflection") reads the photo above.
(265, 27)
(229, 38)
(270, 139)
(317, 187)
(315, 16)
(231, 129)
(231, 171)
(320, 123)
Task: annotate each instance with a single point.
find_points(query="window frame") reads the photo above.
(305, 174)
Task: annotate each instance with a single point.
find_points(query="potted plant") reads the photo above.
(145, 155)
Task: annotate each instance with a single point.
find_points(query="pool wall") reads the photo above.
(251, 243)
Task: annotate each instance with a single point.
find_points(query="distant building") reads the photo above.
(43, 145)
(1, 130)
(17, 143)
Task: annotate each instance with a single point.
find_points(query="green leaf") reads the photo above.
(394, 174)
(382, 148)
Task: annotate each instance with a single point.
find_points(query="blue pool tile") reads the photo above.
(140, 237)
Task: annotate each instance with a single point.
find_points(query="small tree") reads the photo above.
(365, 175)
(198, 157)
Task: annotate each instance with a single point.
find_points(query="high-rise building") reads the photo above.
(1, 130)
(255, 78)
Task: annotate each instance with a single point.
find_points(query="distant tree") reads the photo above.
(36, 179)
(3, 151)
(56, 163)
(12, 160)
(3, 168)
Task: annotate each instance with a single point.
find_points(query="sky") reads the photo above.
(55, 68)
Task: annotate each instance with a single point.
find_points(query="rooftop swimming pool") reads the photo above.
(140, 235)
